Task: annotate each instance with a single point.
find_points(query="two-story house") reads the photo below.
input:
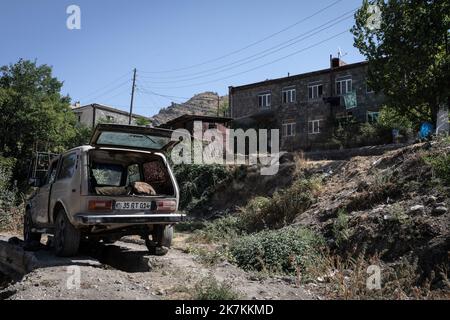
(307, 106)
(90, 115)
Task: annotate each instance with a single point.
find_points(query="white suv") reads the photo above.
(121, 184)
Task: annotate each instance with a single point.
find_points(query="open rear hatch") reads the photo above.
(132, 137)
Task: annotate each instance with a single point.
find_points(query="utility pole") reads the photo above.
(132, 95)
(218, 105)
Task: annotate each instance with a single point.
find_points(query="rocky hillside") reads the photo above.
(200, 104)
(389, 210)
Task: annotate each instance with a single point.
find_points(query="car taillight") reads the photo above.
(166, 205)
(100, 205)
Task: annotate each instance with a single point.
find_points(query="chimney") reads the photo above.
(336, 63)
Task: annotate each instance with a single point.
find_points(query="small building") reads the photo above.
(306, 107)
(91, 114)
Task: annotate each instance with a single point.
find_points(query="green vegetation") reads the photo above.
(282, 208)
(341, 230)
(210, 289)
(10, 213)
(197, 182)
(406, 54)
(219, 230)
(34, 115)
(441, 166)
(290, 250)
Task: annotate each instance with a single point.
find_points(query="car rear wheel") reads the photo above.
(161, 240)
(30, 238)
(67, 237)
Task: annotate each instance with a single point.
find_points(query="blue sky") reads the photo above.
(161, 37)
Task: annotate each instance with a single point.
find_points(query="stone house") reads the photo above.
(91, 114)
(306, 107)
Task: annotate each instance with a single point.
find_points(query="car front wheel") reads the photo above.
(67, 237)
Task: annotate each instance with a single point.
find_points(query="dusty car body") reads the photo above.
(121, 184)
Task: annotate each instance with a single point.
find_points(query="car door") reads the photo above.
(42, 198)
(66, 188)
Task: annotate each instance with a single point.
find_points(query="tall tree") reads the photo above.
(407, 45)
(33, 113)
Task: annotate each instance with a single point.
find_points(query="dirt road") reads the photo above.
(124, 270)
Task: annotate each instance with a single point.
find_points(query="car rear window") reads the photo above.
(107, 174)
(124, 139)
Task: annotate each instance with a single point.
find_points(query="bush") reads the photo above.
(210, 289)
(8, 194)
(219, 230)
(197, 182)
(441, 166)
(261, 213)
(290, 250)
(341, 231)
(353, 134)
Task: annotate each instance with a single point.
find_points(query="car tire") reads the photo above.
(30, 238)
(161, 240)
(67, 237)
(164, 235)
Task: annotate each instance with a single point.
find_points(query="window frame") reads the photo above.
(60, 170)
(371, 114)
(339, 83)
(311, 125)
(265, 100)
(311, 95)
(289, 124)
(289, 95)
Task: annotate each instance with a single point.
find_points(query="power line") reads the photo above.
(106, 86)
(111, 90)
(259, 66)
(250, 45)
(263, 53)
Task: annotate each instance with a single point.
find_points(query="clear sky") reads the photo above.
(179, 47)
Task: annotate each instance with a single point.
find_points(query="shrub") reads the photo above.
(282, 209)
(441, 166)
(210, 289)
(219, 230)
(341, 231)
(288, 250)
(197, 182)
(8, 195)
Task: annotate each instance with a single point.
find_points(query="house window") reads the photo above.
(265, 100)
(315, 91)
(79, 118)
(289, 95)
(343, 86)
(369, 89)
(314, 126)
(372, 117)
(109, 119)
(288, 129)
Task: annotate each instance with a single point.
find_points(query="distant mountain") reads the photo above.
(204, 104)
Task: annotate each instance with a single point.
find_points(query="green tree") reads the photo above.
(408, 54)
(141, 121)
(34, 113)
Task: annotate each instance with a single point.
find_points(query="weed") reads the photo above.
(210, 289)
(341, 230)
(219, 230)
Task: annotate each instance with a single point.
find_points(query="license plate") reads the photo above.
(129, 205)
